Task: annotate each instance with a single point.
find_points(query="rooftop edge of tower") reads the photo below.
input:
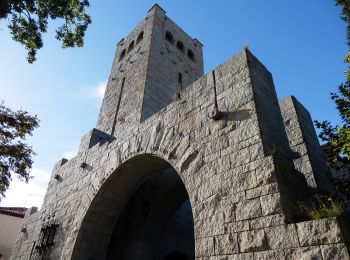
(158, 10)
(121, 41)
(197, 41)
(156, 6)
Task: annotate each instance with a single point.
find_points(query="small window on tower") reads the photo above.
(180, 46)
(122, 55)
(190, 54)
(139, 38)
(131, 46)
(179, 79)
(169, 37)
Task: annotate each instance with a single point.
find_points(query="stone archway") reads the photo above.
(142, 211)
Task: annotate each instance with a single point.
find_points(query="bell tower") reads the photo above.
(152, 65)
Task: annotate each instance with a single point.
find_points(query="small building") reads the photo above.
(11, 219)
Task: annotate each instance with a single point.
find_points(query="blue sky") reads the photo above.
(301, 42)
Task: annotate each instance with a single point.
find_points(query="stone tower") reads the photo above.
(151, 70)
(183, 165)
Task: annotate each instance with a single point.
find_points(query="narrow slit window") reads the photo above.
(122, 55)
(190, 54)
(131, 46)
(179, 79)
(118, 105)
(180, 46)
(169, 37)
(139, 38)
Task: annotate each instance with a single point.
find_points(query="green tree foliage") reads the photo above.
(339, 136)
(28, 20)
(15, 154)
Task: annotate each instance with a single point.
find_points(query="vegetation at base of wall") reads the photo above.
(318, 207)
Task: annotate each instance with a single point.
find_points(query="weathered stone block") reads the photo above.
(269, 255)
(226, 244)
(221, 257)
(251, 241)
(319, 232)
(205, 246)
(211, 225)
(280, 237)
(235, 197)
(248, 209)
(265, 176)
(310, 252)
(268, 221)
(241, 181)
(335, 252)
(271, 204)
(212, 206)
(238, 226)
(243, 256)
(229, 214)
(261, 191)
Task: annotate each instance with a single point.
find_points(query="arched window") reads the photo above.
(122, 55)
(169, 37)
(131, 46)
(190, 54)
(180, 46)
(139, 38)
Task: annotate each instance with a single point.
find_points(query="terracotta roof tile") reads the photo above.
(13, 211)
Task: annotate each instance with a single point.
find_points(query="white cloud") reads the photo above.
(95, 91)
(29, 194)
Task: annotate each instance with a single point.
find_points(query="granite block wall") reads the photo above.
(236, 171)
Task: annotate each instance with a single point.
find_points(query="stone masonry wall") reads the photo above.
(167, 62)
(303, 141)
(231, 182)
(241, 187)
(118, 110)
(148, 73)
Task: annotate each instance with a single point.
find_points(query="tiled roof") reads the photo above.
(13, 211)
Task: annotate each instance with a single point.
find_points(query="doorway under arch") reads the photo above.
(142, 211)
(176, 256)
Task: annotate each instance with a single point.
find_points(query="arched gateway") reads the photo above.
(183, 165)
(142, 211)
